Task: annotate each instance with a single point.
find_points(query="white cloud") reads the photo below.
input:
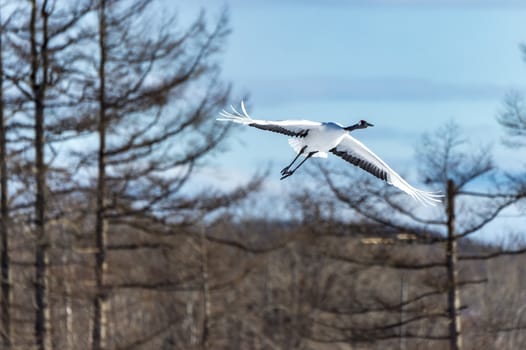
(275, 91)
(401, 3)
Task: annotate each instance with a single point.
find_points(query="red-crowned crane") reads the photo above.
(315, 139)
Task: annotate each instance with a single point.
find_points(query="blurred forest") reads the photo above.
(107, 111)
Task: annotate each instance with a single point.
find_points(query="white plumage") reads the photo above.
(315, 139)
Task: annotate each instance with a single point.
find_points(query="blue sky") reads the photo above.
(407, 66)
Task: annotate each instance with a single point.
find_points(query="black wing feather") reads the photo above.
(281, 130)
(369, 167)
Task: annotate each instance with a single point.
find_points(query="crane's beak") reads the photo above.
(369, 124)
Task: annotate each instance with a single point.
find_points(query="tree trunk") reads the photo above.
(207, 312)
(99, 314)
(39, 62)
(455, 339)
(403, 298)
(4, 212)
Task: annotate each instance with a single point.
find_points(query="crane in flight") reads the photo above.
(317, 139)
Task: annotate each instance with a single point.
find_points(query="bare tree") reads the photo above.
(151, 91)
(445, 163)
(513, 120)
(40, 36)
(155, 127)
(4, 211)
(99, 312)
(38, 87)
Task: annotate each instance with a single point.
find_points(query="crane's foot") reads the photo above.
(286, 174)
(285, 170)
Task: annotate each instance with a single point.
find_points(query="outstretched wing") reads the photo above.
(358, 154)
(295, 128)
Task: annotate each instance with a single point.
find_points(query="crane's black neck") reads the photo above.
(362, 124)
(356, 126)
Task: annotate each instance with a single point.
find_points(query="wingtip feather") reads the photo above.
(429, 198)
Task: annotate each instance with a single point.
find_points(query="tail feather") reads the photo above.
(236, 116)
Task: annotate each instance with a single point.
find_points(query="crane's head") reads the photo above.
(362, 124)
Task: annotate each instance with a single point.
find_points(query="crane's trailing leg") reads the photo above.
(285, 170)
(290, 172)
